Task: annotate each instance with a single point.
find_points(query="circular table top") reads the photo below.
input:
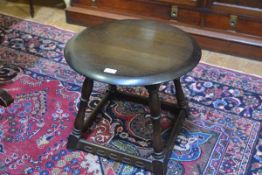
(132, 52)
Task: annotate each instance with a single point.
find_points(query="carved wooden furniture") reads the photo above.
(132, 53)
(229, 26)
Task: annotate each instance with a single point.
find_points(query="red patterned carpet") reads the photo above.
(221, 136)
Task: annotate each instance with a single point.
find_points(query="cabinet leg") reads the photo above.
(80, 118)
(32, 11)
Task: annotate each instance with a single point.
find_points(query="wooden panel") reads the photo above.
(157, 10)
(227, 42)
(243, 24)
(84, 17)
(233, 9)
(143, 8)
(180, 2)
(232, 48)
(249, 26)
(249, 16)
(211, 16)
(217, 21)
(188, 16)
(243, 3)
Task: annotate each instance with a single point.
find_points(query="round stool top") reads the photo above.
(132, 52)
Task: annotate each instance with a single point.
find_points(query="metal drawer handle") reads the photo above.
(174, 11)
(233, 21)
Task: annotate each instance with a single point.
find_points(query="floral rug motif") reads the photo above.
(221, 136)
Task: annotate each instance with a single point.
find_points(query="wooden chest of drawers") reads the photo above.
(229, 26)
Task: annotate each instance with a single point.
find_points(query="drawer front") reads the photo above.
(249, 26)
(187, 16)
(173, 2)
(217, 21)
(180, 2)
(235, 23)
(133, 7)
(248, 15)
(153, 8)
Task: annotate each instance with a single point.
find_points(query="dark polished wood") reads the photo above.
(86, 92)
(207, 16)
(181, 101)
(141, 52)
(31, 8)
(155, 107)
(132, 52)
(79, 123)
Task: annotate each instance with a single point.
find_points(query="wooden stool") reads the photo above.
(132, 53)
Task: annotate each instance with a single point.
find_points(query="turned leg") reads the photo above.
(80, 118)
(181, 100)
(155, 109)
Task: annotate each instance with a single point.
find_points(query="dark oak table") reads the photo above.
(132, 53)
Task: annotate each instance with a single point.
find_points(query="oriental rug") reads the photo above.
(221, 136)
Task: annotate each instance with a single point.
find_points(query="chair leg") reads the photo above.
(159, 167)
(80, 118)
(32, 11)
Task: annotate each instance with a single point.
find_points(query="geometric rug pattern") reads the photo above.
(221, 136)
